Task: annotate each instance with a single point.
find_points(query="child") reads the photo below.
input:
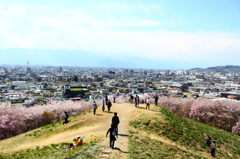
(79, 141)
(145, 100)
(69, 147)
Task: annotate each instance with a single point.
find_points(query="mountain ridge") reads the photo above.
(65, 57)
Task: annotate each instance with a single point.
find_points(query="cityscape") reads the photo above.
(29, 85)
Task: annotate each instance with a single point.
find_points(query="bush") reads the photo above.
(47, 118)
(221, 114)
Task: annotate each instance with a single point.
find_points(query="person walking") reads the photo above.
(114, 96)
(109, 104)
(106, 98)
(115, 121)
(94, 107)
(103, 105)
(66, 118)
(213, 148)
(113, 135)
(136, 100)
(156, 99)
(148, 104)
(132, 98)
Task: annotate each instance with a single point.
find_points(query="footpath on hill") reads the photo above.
(126, 112)
(90, 127)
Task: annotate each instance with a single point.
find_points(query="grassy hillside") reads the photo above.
(87, 150)
(152, 134)
(177, 137)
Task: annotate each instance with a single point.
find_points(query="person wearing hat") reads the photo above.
(79, 141)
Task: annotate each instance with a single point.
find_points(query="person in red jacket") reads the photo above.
(79, 141)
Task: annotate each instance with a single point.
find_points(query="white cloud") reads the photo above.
(76, 30)
(12, 16)
(66, 10)
(14, 13)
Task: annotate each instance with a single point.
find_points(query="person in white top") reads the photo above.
(103, 105)
(114, 96)
(148, 104)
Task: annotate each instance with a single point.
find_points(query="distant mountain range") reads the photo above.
(19, 56)
(219, 68)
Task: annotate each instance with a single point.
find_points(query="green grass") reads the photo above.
(187, 132)
(142, 147)
(45, 131)
(53, 151)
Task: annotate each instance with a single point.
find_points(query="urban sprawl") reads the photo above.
(27, 86)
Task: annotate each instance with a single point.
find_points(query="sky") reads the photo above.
(205, 32)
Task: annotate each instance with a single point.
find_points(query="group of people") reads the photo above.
(72, 146)
(106, 102)
(212, 146)
(113, 130)
(146, 101)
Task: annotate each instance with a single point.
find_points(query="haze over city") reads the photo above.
(156, 34)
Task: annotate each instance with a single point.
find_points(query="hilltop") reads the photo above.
(142, 134)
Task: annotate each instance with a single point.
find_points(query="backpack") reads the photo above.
(207, 141)
(114, 132)
(66, 115)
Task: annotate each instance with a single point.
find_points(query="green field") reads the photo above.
(183, 132)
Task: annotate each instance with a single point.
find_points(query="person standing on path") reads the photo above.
(136, 100)
(148, 104)
(213, 148)
(103, 105)
(115, 121)
(109, 104)
(156, 99)
(106, 98)
(132, 98)
(113, 135)
(114, 96)
(94, 107)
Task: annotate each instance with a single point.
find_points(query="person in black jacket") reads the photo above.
(113, 135)
(106, 98)
(66, 118)
(136, 100)
(109, 104)
(115, 121)
(131, 97)
(156, 99)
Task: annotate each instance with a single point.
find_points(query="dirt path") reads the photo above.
(126, 112)
(90, 127)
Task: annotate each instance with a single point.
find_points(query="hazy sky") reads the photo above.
(198, 31)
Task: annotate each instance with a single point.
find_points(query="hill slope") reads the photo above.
(142, 134)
